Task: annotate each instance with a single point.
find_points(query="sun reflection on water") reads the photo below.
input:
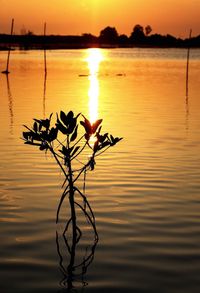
(94, 59)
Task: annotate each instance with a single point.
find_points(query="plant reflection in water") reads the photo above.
(73, 270)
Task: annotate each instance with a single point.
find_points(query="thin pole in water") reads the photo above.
(45, 57)
(8, 58)
(187, 65)
(45, 72)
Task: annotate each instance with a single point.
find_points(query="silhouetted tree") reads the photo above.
(193, 42)
(137, 35)
(148, 30)
(89, 38)
(163, 41)
(108, 35)
(123, 40)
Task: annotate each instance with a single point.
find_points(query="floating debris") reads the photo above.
(83, 75)
(120, 74)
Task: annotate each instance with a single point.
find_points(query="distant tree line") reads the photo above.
(143, 37)
(108, 37)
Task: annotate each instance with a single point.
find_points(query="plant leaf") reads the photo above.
(61, 127)
(53, 134)
(75, 150)
(74, 134)
(72, 125)
(96, 124)
(35, 128)
(27, 134)
(87, 125)
(44, 147)
(70, 115)
(96, 146)
(63, 117)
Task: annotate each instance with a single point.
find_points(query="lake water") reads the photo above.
(145, 192)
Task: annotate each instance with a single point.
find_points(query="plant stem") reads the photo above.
(81, 171)
(79, 152)
(78, 140)
(102, 151)
(71, 197)
(55, 156)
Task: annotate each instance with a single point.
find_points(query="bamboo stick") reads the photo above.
(45, 73)
(8, 57)
(187, 64)
(45, 57)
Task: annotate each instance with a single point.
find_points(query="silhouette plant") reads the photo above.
(69, 149)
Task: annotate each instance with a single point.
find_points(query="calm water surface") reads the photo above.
(145, 192)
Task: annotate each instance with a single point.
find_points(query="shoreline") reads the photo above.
(56, 42)
(71, 47)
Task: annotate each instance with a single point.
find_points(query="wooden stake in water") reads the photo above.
(45, 57)
(187, 66)
(45, 73)
(8, 58)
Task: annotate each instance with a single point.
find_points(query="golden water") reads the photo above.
(145, 192)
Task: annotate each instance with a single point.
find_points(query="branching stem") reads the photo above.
(55, 156)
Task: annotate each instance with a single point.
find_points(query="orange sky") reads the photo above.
(175, 17)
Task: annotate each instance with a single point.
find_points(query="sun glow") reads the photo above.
(94, 58)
